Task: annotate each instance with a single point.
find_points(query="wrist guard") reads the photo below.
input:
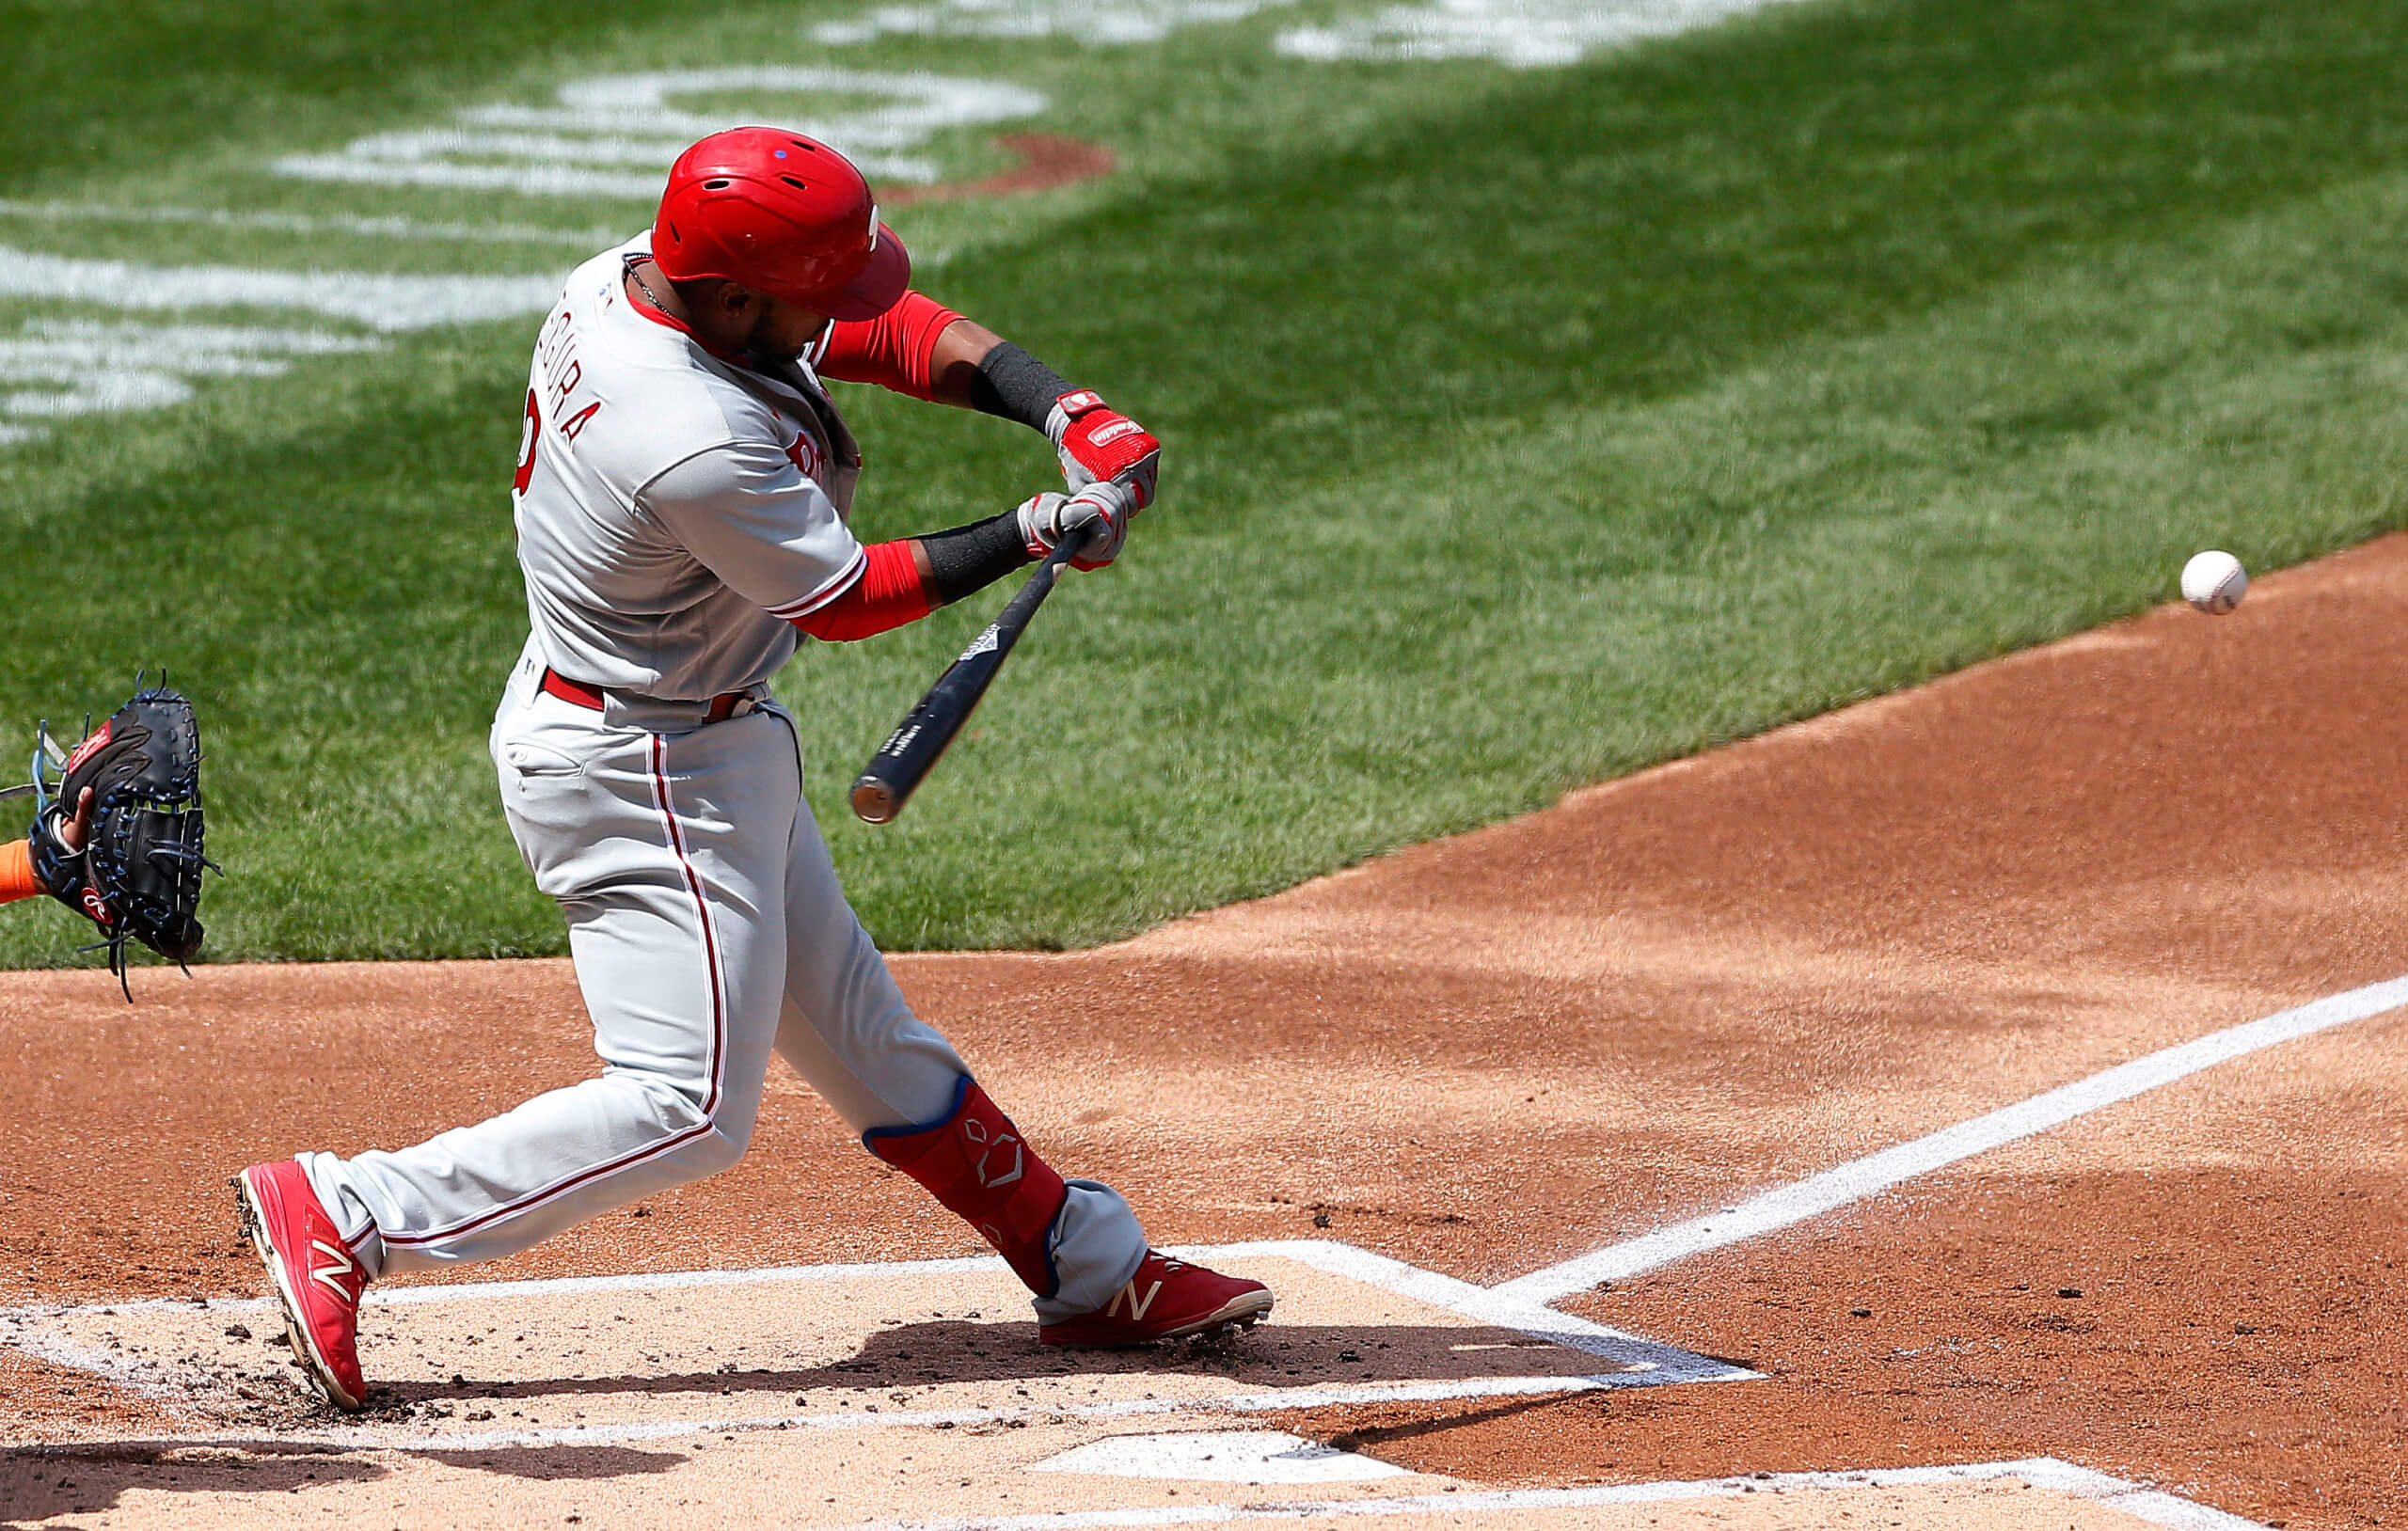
(1016, 385)
(970, 557)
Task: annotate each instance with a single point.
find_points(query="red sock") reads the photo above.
(976, 1164)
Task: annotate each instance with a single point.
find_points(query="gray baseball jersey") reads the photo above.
(676, 510)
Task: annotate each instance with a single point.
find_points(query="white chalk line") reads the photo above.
(1217, 1456)
(389, 227)
(2142, 1504)
(1094, 22)
(1835, 1188)
(1521, 1303)
(615, 136)
(1520, 34)
(1661, 1363)
(400, 1437)
(1646, 1363)
(387, 302)
(57, 369)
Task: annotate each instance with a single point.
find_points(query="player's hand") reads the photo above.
(1046, 520)
(76, 832)
(59, 838)
(1099, 443)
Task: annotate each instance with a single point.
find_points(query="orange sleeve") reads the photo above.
(17, 872)
(893, 350)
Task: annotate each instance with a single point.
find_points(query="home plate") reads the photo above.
(1219, 1457)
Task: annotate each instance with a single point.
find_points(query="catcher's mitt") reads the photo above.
(138, 875)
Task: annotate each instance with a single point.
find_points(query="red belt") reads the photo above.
(722, 706)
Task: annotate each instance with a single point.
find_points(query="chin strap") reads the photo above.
(976, 1164)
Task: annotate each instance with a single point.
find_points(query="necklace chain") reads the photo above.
(636, 270)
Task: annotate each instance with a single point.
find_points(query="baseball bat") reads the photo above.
(904, 761)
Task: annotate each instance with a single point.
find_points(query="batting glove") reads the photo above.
(1098, 443)
(1046, 520)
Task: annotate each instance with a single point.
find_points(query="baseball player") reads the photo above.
(681, 508)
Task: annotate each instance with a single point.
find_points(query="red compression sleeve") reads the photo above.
(893, 350)
(889, 593)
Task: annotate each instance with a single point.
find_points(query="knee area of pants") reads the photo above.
(679, 1110)
(717, 1149)
(728, 1132)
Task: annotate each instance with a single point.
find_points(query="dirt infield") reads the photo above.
(1472, 1061)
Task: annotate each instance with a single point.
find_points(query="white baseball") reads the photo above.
(2215, 582)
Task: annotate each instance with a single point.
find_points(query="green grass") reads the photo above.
(1524, 429)
(1852, 515)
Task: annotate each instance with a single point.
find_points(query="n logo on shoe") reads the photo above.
(331, 1276)
(975, 1131)
(1137, 1306)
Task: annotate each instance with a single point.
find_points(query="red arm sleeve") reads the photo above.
(893, 350)
(889, 593)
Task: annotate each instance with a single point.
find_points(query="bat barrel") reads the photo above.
(876, 801)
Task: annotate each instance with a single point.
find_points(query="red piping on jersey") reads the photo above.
(660, 797)
(702, 909)
(895, 350)
(835, 586)
(554, 1193)
(888, 592)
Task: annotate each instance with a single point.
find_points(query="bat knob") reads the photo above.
(873, 801)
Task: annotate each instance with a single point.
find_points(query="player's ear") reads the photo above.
(736, 300)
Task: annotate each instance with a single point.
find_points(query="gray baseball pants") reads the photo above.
(707, 929)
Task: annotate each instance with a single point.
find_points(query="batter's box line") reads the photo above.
(2149, 1506)
(1643, 1363)
(398, 1438)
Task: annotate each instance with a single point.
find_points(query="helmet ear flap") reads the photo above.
(782, 215)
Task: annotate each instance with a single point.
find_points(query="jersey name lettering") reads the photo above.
(556, 358)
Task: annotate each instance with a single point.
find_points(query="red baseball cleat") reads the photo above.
(1166, 1299)
(316, 1276)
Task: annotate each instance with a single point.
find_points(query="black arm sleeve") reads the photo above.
(972, 557)
(1016, 385)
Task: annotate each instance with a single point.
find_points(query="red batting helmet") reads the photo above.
(781, 215)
